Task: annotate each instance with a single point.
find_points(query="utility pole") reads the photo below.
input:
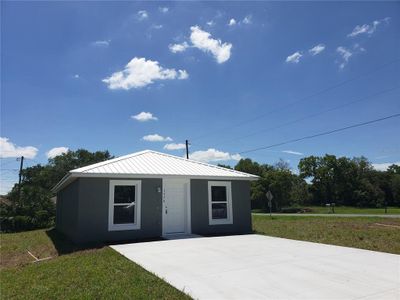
(20, 177)
(187, 149)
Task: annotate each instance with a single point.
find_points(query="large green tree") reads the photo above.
(32, 205)
(346, 181)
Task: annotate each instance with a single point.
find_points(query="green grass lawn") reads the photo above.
(378, 234)
(94, 273)
(99, 272)
(347, 210)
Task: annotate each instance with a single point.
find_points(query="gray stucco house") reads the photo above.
(149, 194)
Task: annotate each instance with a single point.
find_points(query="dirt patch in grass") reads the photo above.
(354, 232)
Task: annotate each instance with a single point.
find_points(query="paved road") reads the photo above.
(331, 215)
(261, 267)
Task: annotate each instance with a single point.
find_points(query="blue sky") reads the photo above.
(75, 75)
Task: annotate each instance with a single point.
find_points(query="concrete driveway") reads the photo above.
(261, 267)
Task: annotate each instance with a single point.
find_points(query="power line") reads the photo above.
(330, 88)
(321, 134)
(2, 164)
(312, 115)
(306, 117)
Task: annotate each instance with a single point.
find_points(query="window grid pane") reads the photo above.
(124, 214)
(219, 210)
(218, 194)
(124, 194)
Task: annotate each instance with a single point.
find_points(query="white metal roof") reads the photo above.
(150, 163)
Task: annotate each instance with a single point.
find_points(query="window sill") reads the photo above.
(122, 227)
(220, 222)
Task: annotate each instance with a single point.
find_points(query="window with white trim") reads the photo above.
(124, 205)
(219, 202)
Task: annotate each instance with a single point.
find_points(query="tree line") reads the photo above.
(323, 180)
(320, 180)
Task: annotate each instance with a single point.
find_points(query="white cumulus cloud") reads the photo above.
(140, 72)
(212, 155)
(8, 149)
(173, 146)
(202, 40)
(358, 48)
(360, 29)
(144, 116)
(384, 166)
(56, 152)
(294, 58)
(232, 22)
(142, 15)
(292, 152)
(317, 49)
(247, 19)
(182, 74)
(164, 10)
(210, 23)
(368, 29)
(102, 43)
(175, 48)
(156, 138)
(345, 55)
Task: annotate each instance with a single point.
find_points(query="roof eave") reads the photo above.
(71, 176)
(127, 175)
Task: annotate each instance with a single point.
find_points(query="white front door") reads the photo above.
(175, 206)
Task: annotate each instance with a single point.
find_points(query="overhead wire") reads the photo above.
(321, 134)
(306, 117)
(313, 115)
(330, 88)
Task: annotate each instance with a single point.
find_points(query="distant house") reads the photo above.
(150, 194)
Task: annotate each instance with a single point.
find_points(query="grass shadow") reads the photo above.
(63, 245)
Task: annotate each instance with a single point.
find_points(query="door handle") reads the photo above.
(166, 211)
